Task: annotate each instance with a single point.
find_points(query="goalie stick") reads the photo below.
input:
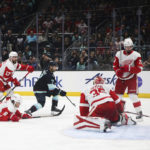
(44, 116)
(136, 114)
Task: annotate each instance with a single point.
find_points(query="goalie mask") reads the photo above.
(16, 100)
(98, 80)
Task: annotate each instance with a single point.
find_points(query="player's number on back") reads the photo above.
(96, 92)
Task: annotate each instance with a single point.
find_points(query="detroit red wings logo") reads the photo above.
(7, 73)
(127, 62)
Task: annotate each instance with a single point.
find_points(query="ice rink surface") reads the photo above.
(57, 133)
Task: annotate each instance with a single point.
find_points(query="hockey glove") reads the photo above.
(119, 72)
(16, 82)
(63, 93)
(15, 118)
(126, 68)
(30, 69)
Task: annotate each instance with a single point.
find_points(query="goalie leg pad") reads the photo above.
(91, 123)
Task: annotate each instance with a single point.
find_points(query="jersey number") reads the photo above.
(96, 92)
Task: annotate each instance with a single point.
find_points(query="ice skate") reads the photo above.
(139, 117)
(54, 110)
(107, 126)
(28, 112)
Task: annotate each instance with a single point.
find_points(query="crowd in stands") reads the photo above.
(14, 14)
(75, 14)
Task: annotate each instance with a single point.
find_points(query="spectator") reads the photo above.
(73, 60)
(82, 27)
(59, 62)
(33, 63)
(20, 39)
(27, 53)
(4, 54)
(42, 38)
(81, 65)
(75, 37)
(9, 40)
(108, 60)
(31, 38)
(93, 63)
(84, 55)
(48, 24)
(20, 58)
(146, 64)
(107, 39)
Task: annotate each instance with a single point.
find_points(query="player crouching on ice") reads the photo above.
(100, 108)
(46, 86)
(9, 109)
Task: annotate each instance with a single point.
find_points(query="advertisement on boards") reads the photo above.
(77, 81)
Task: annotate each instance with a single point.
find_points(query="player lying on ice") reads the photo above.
(7, 69)
(9, 109)
(100, 108)
(46, 87)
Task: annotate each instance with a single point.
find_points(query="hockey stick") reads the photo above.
(136, 114)
(13, 88)
(71, 101)
(44, 116)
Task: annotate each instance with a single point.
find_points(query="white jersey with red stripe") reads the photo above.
(7, 69)
(97, 94)
(94, 96)
(133, 60)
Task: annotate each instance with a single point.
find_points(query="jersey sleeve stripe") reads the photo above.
(84, 105)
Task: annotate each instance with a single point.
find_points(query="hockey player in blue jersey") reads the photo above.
(46, 86)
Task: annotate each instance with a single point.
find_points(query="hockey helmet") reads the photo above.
(128, 42)
(52, 63)
(13, 54)
(98, 80)
(16, 98)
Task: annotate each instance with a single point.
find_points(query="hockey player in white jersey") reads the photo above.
(99, 108)
(9, 109)
(127, 65)
(7, 69)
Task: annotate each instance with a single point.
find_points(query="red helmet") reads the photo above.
(98, 80)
